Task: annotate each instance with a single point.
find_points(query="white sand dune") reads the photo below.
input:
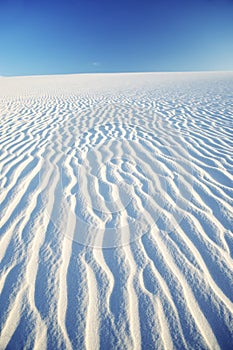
(116, 220)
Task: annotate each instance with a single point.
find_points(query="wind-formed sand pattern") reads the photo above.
(116, 220)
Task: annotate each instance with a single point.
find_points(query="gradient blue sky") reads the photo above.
(77, 36)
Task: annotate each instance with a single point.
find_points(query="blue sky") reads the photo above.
(79, 36)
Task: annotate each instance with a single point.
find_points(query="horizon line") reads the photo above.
(115, 73)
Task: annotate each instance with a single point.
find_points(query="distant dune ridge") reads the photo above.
(116, 220)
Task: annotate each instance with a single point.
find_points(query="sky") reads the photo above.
(92, 36)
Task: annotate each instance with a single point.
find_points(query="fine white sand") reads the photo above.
(116, 221)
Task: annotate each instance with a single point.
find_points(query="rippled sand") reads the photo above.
(116, 220)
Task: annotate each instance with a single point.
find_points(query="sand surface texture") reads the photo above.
(116, 196)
